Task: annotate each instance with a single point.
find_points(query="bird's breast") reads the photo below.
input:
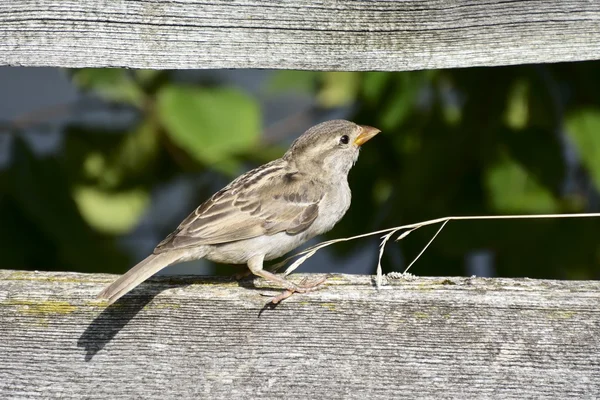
(332, 208)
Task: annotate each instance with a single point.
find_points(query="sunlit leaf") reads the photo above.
(451, 102)
(111, 84)
(452, 114)
(93, 165)
(147, 75)
(517, 108)
(338, 88)
(292, 80)
(109, 212)
(212, 125)
(512, 189)
(584, 129)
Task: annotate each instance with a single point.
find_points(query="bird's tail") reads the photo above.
(136, 275)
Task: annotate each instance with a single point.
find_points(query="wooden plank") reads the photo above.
(298, 34)
(207, 338)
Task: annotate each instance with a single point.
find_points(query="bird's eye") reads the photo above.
(344, 139)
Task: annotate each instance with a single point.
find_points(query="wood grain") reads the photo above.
(298, 34)
(208, 338)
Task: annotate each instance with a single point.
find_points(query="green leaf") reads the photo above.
(339, 88)
(584, 129)
(546, 163)
(111, 84)
(290, 80)
(405, 88)
(374, 84)
(513, 190)
(110, 212)
(517, 108)
(212, 125)
(147, 75)
(41, 191)
(130, 161)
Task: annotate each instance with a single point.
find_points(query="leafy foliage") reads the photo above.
(480, 141)
(584, 128)
(522, 139)
(213, 125)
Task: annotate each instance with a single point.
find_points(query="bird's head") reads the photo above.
(331, 147)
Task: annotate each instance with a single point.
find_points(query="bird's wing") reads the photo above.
(258, 203)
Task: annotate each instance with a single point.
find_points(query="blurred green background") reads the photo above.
(139, 150)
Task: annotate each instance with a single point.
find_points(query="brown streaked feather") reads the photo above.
(271, 202)
(303, 221)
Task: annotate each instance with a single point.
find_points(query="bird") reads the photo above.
(266, 212)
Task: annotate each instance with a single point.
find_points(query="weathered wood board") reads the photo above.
(207, 338)
(389, 35)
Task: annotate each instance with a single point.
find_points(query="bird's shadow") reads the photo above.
(114, 317)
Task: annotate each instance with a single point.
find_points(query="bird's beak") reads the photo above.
(367, 132)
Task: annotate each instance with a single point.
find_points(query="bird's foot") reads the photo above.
(305, 286)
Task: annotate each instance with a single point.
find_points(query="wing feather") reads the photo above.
(269, 203)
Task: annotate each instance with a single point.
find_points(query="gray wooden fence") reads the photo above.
(194, 338)
(200, 338)
(297, 34)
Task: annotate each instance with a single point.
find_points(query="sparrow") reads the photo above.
(266, 212)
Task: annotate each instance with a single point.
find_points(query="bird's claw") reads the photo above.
(305, 287)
